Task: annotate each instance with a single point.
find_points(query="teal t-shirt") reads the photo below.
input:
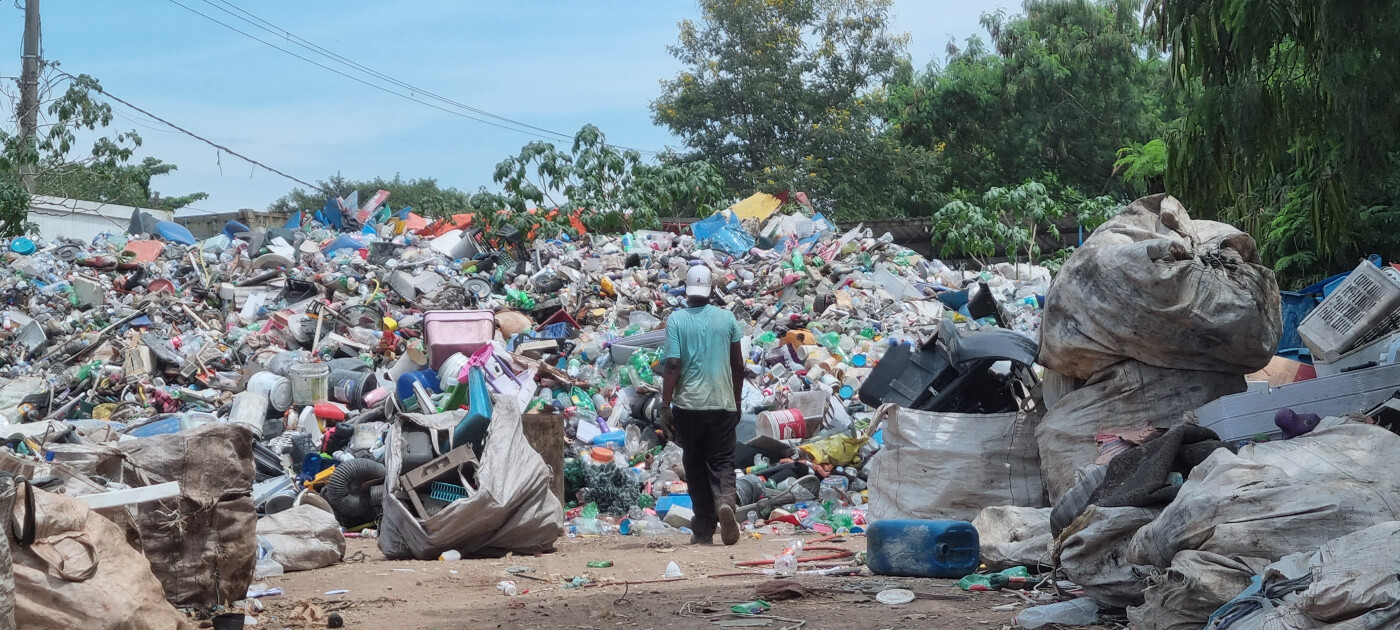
(700, 338)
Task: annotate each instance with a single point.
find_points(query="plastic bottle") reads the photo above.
(1075, 612)
(507, 588)
(786, 562)
(450, 555)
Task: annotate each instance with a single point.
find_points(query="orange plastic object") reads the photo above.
(799, 338)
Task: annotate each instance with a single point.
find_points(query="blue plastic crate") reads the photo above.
(447, 492)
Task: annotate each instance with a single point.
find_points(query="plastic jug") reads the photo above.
(944, 549)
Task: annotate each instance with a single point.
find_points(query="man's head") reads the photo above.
(697, 285)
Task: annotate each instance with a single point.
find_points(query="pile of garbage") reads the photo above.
(207, 412)
(449, 386)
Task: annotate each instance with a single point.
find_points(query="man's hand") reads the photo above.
(667, 421)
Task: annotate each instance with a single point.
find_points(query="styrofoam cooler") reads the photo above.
(449, 332)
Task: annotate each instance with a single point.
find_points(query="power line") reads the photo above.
(312, 46)
(359, 79)
(196, 136)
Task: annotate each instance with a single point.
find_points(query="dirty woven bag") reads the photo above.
(80, 572)
(1275, 498)
(512, 510)
(1156, 286)
(303, 538)
(1128, 392)
(1011, 536)
(1198, 583)
(937, 465)
(1092, 551)
(202, 544)
(1355, 585)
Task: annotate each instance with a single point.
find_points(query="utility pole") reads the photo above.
(29, 86)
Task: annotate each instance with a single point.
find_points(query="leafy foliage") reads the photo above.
(1291, 126)
(102, 175)
(1143, 167)
(1059, 91)
(604, 187)
(1013, 220)
(423, 195)
(783, 95)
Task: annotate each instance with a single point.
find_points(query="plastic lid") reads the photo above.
(601, 454)
(895, 596)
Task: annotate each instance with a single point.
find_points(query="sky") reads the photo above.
(556, 65)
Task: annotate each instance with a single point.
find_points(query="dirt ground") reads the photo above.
(410, 595)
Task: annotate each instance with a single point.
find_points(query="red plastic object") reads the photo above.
(328, 411)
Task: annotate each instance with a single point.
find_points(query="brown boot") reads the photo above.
(728, 525)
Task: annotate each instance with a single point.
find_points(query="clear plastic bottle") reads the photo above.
(1075, 612)
(786, 562)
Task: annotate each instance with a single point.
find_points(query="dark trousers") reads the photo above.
(708, 439)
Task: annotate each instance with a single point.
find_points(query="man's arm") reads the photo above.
(736, 369)
(669, 375)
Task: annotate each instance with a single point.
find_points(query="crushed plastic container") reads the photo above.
(450, 332)
(922, 548)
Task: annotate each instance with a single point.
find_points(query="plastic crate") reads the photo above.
(1364, 308)
(447, 492)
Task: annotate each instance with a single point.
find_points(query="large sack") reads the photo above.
(1093, 553)
(202, 544)
(1275, 498)
(1128, 393)
(1184, 596)
(79, 572)
(1012, 536)
(303, 538)
(512, 510)
(1156, 286)
(1350, 583)
(951, 465)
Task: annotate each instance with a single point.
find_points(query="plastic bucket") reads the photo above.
(250, 410)
(277, 389)
(310, 383)
(404, 387)
(786, 424)
(450, 372)
(349, 387)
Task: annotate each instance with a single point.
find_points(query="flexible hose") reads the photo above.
(349, 494)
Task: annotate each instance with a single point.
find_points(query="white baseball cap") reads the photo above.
(697, 281)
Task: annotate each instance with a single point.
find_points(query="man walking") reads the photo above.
(704, 378)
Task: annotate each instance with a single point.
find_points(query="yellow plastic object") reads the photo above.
(321, 478)
(607, 285)
(757, 206)
(838, 450)
(391, 324)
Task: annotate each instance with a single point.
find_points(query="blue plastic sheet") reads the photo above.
(344, 241)
(723, 232)
(330, 214)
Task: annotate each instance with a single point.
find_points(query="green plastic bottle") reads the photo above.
(797, 263)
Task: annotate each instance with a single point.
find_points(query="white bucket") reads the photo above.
(450, 372)
(785, 424)
(250, 410)
(277, 389)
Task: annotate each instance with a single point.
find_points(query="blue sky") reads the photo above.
(556, 65)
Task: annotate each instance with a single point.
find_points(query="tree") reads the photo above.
(783, 95)
(603, 187)
(423, 195)
(1291, 125)
(1060, 90)
(102, 175)
(1013, 220)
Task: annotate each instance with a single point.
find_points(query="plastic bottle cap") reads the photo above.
(895, 596)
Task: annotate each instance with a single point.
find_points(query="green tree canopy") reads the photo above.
(1291, 126)
(1061, 89)
(784, 95)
